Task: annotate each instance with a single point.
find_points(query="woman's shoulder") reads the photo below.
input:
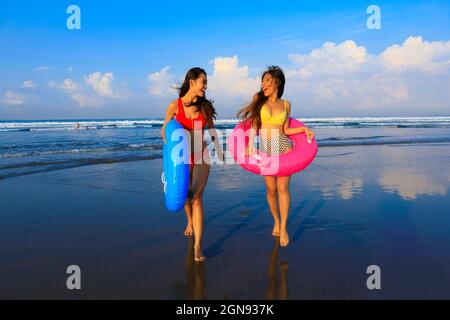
(173, 104)
(287, 104)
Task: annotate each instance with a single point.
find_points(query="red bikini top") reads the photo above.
(185, 122)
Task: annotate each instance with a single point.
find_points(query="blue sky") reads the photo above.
(103, 70)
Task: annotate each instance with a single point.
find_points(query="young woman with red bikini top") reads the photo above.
(194, 112)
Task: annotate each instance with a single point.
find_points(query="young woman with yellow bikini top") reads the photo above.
(270, 118)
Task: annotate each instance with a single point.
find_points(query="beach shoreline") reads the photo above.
(353, 207)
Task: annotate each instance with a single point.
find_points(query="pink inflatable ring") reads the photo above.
(298, 158)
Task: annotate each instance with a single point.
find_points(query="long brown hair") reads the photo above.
(253, 110)
(202, 104)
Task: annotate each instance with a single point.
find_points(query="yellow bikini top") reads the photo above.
(279, 119)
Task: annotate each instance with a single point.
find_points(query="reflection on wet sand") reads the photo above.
(409, 172)
(336, 182)
(277, 290)
(194, 288)
(415, 172)
(195, 275)
(410, 185)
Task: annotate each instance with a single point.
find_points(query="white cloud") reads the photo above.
(230, 80)
(85, 99)
(345, 79)
(330, 59)
(335, 79)
(70, 85)
(415, 53)
(95, 92)
(12, 98)
(67, 85)
(101, 84)
(161, 82)
(78, 93)
(227, 81)
(340, 79)
(42, 68)
(27, 84)
(70, 69)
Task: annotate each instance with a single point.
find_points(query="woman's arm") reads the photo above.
(251, 138)
(170, 112)
(290, 131)
(253, 132)
(213, 134)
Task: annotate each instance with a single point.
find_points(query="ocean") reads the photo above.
(28, 147)
(376, 194)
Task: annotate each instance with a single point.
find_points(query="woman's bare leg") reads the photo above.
(271, 196)
(284, 201)
(189, 231)
(200, 174)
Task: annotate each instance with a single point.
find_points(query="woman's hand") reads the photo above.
(309, 134)
(163, 136)
(249, 151)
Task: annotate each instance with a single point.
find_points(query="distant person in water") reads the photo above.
(77, 126)
(194, 112)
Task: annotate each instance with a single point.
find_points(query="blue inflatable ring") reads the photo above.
(175, 176)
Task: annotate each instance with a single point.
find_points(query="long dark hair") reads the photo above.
(202, 104)
(253, 110)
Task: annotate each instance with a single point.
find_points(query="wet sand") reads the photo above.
(353, 207)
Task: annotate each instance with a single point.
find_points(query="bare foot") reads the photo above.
(284, 238)
(276, 230)
(198, 255)
(189, 231)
